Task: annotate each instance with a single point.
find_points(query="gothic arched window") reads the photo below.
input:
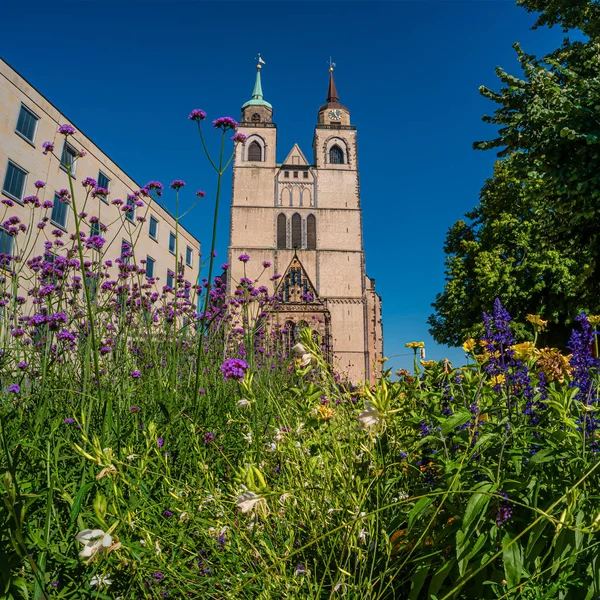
(296, 231)
(336, 155)
(281, 231)
(311, 232)
(256, 118)
(255, 151)
(289, 332)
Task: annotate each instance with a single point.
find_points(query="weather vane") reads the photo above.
(260, 61)
(331, 64)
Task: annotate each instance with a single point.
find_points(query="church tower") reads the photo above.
(305, 219)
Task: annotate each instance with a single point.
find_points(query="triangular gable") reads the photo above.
(295, 287)
(296, 157)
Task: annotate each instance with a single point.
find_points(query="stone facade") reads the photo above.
(309, 213)
(23, 108)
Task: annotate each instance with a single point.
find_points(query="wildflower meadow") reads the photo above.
(174, 442)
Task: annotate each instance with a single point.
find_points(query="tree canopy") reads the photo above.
(534, 238)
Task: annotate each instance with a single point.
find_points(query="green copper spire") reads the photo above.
(257, 94)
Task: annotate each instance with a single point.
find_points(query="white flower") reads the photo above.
(299, 350)
(243, 403)
(306, 360)
(98, 580)
(272, 447)
(370, 417)
(362, 536)
(93, 540)
(247, 501)
(106, 471)
(184, 516)
(157, 549)
(131, 456)
(248, 438)
(278, 435)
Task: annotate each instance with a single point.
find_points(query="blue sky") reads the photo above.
(129, 72)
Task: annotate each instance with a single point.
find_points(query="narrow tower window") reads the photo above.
(256, 118)
(296, 231)
(255, 152)
(311, 232)
(336, 156)
(281, 231)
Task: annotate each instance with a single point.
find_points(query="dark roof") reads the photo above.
(333, 100)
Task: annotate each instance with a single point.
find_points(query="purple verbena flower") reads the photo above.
(243, 258)
(197, 115)
(225, 123)
(239, 138)
(177, 184)
(67, 130)
(234, 368)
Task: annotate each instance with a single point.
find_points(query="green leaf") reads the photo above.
(476, 506)
(439, 576)
(418, 579)
(79, 500)
(513, 559)
(417, 510)
(456, 420)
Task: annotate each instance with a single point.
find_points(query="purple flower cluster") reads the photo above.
(200, 194)
(177, 184)
(504, 512)
(498, 338)
(48, 147)
(67, 130)
(225, 123)
(234, 368)
(243, 258)
(197, 115)
(239, 138)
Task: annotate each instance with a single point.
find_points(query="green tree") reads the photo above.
(534, 238)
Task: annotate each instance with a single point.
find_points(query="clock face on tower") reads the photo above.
(335, 115)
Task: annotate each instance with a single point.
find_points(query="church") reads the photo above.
(304, 217)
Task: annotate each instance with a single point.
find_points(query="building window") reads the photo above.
(286, 174)
(311, 232)
(126, 251)
(130, 214)
(172, 244)
(14, 181)
(281, 231)
(188, 256)
(60, 212)
(103, 182)
(296, 231)
(255, 152)
(149, 267)
(153, 229)
(336, 156)
(295, 174)
(96, 229)
(170, 278)
(305, 174)
(6, 248)
(27, 124)
(256, 118)
(68, 158)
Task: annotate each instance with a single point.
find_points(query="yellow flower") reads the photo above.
(523, 351)
(469, 345)
(382, 360)
(594, 319)
(324, 412)
(538, 323)
(497, 380)
(554, 364)
(415, 345)
(428, 364)
(480, 358)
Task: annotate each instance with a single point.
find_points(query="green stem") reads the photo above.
(210, 265)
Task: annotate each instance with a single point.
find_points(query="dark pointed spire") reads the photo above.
(332, 95)
(333, 100)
